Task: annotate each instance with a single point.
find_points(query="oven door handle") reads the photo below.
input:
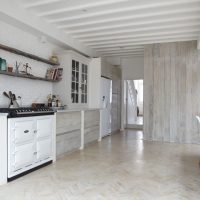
(26, 131)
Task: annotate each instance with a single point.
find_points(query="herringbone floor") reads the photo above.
(121, 167)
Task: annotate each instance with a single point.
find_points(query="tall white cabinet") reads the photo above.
(73, 89)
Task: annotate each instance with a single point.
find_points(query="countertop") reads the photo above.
(77, 110)
(3, 114)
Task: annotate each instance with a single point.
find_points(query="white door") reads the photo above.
(44, 126)
(24, 156)
(106, 91)
(23, 130)
(21, 147)
(44, 149)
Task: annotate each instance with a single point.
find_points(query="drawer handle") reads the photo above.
(26, 131)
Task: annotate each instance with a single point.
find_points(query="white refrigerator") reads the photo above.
(106, 100)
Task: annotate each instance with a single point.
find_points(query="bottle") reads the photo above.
(3, 65)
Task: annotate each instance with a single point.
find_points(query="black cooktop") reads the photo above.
(26, 111)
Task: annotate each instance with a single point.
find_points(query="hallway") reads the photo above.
(121, 167)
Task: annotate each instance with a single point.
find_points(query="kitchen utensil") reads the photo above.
(19, 101)
(17, 65)
(10, 94)
(11, 100)
(6, 95)
(15, 104)
(14, 97)
(38, 105)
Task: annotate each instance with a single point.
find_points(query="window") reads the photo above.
(84, 83)
(79, 83)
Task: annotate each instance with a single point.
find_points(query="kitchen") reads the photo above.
(27, 89)
(67, 99)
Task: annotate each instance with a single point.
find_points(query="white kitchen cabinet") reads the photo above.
(73, 89)
(29, 143)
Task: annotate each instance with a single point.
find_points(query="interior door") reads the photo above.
(106, 100)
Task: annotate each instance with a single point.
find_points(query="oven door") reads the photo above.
(21, 144)
(44, 149)
(44, 126)
(24, 156)
(22, 130)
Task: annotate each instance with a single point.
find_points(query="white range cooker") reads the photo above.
(30, 136)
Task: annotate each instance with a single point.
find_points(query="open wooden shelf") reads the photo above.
(28, 55)
(27, 76)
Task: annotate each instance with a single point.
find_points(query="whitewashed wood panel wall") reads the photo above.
(172, 92)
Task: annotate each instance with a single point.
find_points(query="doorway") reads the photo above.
(106, 101)
(134, 103)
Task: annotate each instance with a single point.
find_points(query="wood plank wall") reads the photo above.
(172, 92)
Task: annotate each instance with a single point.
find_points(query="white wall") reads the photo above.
(132, 68)
(30, 90)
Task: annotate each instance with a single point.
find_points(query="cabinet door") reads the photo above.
(44, 149)
(84, 84)
(75, 82)
(79, 83)
(44, 126)
(23, 130)
(23, 156)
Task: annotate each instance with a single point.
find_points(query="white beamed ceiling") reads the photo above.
(120, 27)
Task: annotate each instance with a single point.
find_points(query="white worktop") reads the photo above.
(3, 114)
(76, 110)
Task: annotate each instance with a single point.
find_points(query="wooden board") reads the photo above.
(172, 92)
(26, 76)
(28, 55)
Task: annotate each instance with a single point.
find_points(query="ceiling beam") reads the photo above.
(121, 54)
(124, 42)
(164, 40)
(70, 6)
(131, 19)
(151, 10)
(36, 3)
(135, 30)
(143, 36)
(122, 50)
(135, 47)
